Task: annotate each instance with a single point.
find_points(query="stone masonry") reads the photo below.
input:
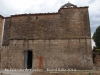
(1, 26)
(62, 39)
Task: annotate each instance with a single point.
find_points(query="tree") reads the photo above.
(96, 37)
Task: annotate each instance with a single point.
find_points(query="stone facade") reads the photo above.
(62, 39)
(1, 26)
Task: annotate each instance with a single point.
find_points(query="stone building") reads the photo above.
(1, 22)
(48, 40)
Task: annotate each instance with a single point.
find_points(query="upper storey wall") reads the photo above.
(67, 23)
(7, 29)
(35, 26)
(75, 22)
(31, 26)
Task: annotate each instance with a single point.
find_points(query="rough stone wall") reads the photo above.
(62, 39)
(67, 23)
(75, 22)
(27, 27)
(5, 57)
(59, 53)
(7, 29)
(1, 26)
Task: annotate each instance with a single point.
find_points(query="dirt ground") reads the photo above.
(96, 71)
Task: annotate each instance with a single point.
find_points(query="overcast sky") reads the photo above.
(12, 7)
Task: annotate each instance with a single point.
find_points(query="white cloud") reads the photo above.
(94, 8)
(94, 18)
(95, 25)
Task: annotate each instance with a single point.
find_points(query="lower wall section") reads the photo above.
(58, 53)
(5, 57)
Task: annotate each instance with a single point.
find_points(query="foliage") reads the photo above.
(96, 37)
(96, 50)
